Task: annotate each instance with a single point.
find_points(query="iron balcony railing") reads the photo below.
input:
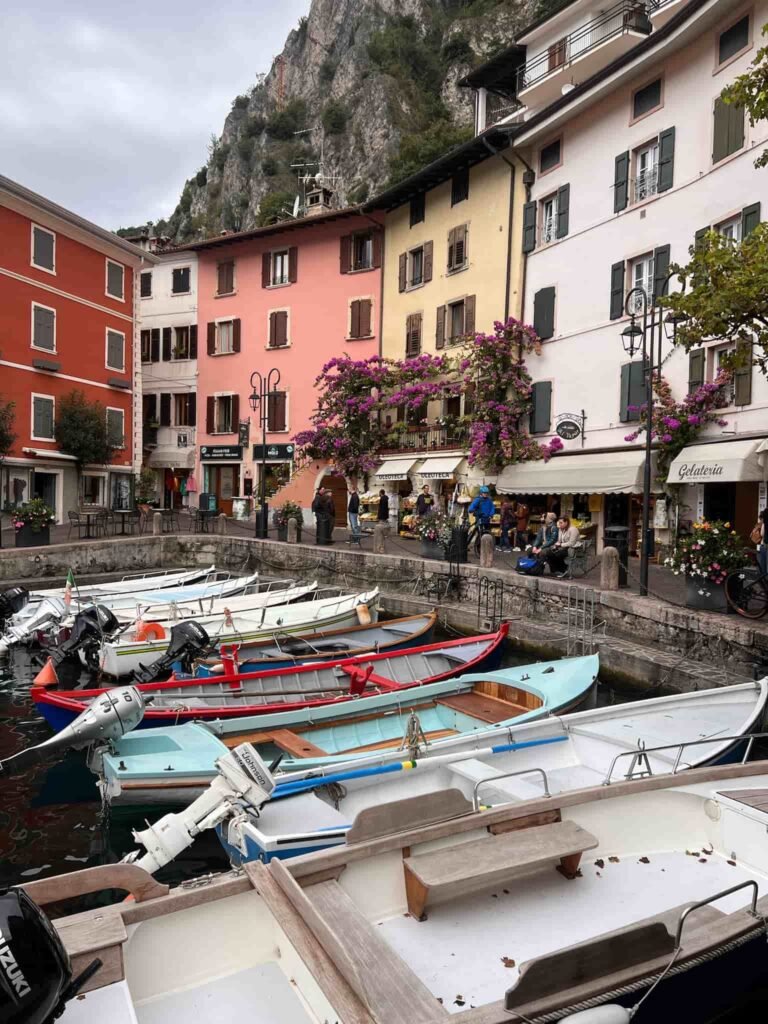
(427, 439)
(498, 108)
(646, 184)
(623, 17)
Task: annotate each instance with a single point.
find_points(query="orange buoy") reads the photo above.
(47, 675)
(149, 631)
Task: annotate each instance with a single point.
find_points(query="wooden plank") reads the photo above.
(135, 880)
(330, 874)
(85, 936)
(384, 819)
(757, 798)
(395, 994)
(184, 897)
(543, 818)
(112, 968)
(285, 739)
(486, 709)
(435, 734)
(311, 952)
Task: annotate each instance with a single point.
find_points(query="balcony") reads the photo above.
(662, 10)
(645, 185)
(577, 56)
(149, 435)
(499, 108)
(427, 439)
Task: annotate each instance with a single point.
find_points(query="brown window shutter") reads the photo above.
(293, 264)
(235, 335)
(428, 249)
(377, 247)
(211, 339)
(165, 409)
(193, 341)
(166, 344)
(235, 414)
(413, 335)
(440, 327)
(460, 251)
(365, 318)
(281, 327)
(451, 247)
(154, 345)
(354, 319)
(345, 254)
(276, 411)
(469, 314)
(210, 414)
(192, 410)
(266, 265)
(272, 330)
(402, 272)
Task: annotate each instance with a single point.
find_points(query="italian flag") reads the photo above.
(68, 588)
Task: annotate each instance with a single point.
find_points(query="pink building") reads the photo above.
(289, 296)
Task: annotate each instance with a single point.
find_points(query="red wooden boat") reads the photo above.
(240, 694)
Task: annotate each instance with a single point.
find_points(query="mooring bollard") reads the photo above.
(609, 569)
(293, 530)
(487, 548)
(379, 538)
(157, 524)
(222, 524)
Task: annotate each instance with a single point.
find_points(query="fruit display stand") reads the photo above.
(407, 518)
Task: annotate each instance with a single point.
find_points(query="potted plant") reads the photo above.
(32, 523)
(705, 557)
(288, 510)
(434, 532)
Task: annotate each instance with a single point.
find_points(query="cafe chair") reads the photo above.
(76, 522)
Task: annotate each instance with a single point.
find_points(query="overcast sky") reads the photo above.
(107, 108)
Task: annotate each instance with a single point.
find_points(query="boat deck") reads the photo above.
(757, 799)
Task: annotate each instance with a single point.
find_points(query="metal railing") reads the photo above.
(549, 230)
(509, 775)
(497, 108)
(623, 17)
(711, 899)
(646, 184)
(642, 753)
(427, 439)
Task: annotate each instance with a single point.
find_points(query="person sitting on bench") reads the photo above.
(567, 538)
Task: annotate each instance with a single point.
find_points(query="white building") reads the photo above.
(168, 333)
(632, 153)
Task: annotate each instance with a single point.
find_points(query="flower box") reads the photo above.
(432, 549)
(27, 537)
(704, 596)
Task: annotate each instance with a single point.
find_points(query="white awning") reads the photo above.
(44, 453)
(395, 469)
(722, 462)
(181, 458)
(591, 473)
(441, 468)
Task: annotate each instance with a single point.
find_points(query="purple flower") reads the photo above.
(666, 438)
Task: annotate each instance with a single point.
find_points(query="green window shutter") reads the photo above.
(696, 360)
(166, 344)
(660, 271)
(165, 409)
(742, 377)
(563, 205)
(621, 182)
(544, 313)
(529, 227)
(699, 237)
(750, 218)
(632, 391)
(37, 417)
(720, 138)
(735, 128)
(541, 410)
(666, 159)
(617, 290)
(440, 327)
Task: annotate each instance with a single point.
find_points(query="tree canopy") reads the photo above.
(81, 430)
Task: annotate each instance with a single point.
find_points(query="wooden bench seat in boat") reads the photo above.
(484, 863)
(486, 709)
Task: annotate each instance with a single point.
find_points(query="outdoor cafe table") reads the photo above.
(90, 516)
(123, 512)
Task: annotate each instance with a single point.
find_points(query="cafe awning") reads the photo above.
(178, 458)
(618, 472)
(440, 468)
(721, 462)
(395, 469)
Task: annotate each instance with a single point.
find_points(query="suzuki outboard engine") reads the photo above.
(12, 601)
(188, 641)
(35, 969)
(88, 629)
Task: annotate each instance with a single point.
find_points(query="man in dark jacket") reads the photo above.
(325, 513)
(353, 511)
(383, 514)
(425, 502)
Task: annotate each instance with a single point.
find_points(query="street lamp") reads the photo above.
(262, 388)
(648, 339)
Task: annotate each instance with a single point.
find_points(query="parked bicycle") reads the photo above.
(746, 591)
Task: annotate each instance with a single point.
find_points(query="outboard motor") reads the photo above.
(88, 629)
(188, 641)
(35, 970)
(12, 601)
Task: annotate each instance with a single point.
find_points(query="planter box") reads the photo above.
(431, 549)
(26, 537)
(715, 602)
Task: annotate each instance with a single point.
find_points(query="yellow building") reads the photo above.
(453, 264)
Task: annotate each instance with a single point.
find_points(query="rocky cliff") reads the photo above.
(367, 88)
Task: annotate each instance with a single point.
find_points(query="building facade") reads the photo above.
(67, 322)
(635, 155)
(288, 298)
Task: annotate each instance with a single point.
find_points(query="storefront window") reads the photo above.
(15, 487)
(120, 490)
(93, 489)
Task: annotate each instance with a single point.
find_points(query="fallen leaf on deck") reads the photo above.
(458, 1001)
(508, 961)
(600, 863)
(505, 891)
(613, 860)
(702, 860)
(598, 874)
(732, 863)
(644, 860)
(692, 853)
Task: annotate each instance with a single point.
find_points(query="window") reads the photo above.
(225, 278)
(116, 427)
(418, 208)
(454, 321)
(180, 280)
(146, 284)
(181, 349)
(115, 280)
(278, 328)
(360, 318)
(277, 419)
(416, 276)
(413, 334)
(730, 229)
(184, 410)
(556, 54)
(460, 186)
(43, 414)
(548, 218)
(43, 249)
(146, 346)
(43, 328)
(94, 487)
(115, 351)
(280, 267)
(457, 248)
(646, 99)
(641, 276)
(415, 267)
(733, 41)
(646, 171)
(550, 157)
(728, 130)
(224, 421)
(225, 337)
(362, 251)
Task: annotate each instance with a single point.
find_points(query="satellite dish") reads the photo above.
(296, 207)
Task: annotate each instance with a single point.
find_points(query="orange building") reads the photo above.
(67, 322)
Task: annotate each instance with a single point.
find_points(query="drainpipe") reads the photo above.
(529, 176)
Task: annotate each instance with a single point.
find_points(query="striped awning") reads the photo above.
(395, 469)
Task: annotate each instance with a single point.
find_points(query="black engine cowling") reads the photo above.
(12, 601)
(88, 629)
(188, 641)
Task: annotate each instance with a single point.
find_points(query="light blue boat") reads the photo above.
(173, 765)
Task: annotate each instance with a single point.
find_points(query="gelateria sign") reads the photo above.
(696, 472)
(723, 462)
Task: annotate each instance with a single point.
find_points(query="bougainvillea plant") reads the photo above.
(677, 424)
(494, 366)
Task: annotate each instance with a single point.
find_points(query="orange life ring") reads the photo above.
(150, 631)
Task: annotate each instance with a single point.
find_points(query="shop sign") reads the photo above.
(244, 433)
(221, 452)
(278, 452)
(696, 471)
(569, 425)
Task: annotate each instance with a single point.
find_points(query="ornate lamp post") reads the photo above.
(262, 388)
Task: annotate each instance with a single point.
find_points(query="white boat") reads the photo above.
(648, 894)
(213, 599)
(123, 655)
(131, 584)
